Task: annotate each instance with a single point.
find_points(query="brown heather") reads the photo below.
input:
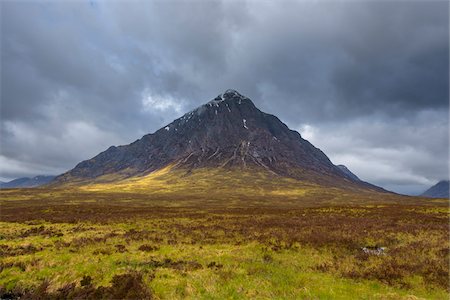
(157, 246)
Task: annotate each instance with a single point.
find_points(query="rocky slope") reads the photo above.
(349, 173)
(439, 190)
(227, 132)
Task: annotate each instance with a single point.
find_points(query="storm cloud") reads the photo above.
(365, 81)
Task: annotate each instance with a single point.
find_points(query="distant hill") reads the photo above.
(27, 182)
(348, 172)
(439, 190)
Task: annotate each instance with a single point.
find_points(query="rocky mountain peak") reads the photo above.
(227, 132)
(229, 101)
(230, 94)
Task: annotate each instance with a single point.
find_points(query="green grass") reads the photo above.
(250, 270)
(295, 241)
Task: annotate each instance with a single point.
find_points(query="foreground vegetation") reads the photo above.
(91, 244)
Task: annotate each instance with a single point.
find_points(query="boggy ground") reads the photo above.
(75, 244)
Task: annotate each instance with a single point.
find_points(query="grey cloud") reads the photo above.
(406, 155)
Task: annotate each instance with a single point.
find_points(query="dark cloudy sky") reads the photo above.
(365, 81)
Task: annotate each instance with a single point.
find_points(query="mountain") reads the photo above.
(27, 182)
(439, 190)
(227, 133)
(349, 173)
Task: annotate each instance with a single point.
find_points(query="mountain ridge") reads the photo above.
(439, 190)
(27, 182)
(227, 132)
(348, 172)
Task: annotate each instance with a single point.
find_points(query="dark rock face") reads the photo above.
(229, 131)
(27, 182)
(349, 173)
(439, 190)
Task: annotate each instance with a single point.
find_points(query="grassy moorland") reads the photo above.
(176, 238)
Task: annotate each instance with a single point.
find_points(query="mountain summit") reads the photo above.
(227, 132)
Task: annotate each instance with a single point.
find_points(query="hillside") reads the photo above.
(27, 182)
(227, 133)
(439, 190)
